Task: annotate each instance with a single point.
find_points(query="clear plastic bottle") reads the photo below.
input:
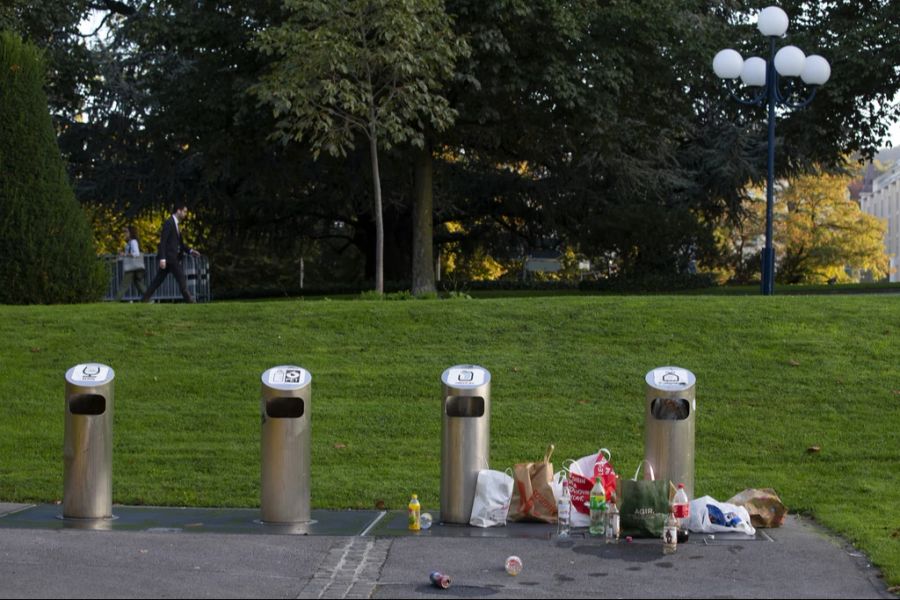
(513, 565)
(598, 508)
(563, 511)
(681, 506)
(612, 520)
(415, 512)
(670, 534)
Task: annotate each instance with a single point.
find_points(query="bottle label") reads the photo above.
(682, 511)
(598, 502)
(670, 536)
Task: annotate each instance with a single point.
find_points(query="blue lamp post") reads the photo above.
(788, 62)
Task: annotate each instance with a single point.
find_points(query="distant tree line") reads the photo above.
(589, 127)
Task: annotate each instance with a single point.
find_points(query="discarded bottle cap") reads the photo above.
(440, 580)
(513, 565)
(629, 539)
(425, 520)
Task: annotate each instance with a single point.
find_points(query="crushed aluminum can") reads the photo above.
(439, 580)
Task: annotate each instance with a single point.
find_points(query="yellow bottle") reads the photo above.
(415, 512)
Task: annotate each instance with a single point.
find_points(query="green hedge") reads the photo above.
(46, 245)
(652, 282)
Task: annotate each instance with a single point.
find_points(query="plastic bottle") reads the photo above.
(670, 534)
(598, 508)
(612, 520)
(681, 506)
(564, 511)
(415, 511)
(513, 565)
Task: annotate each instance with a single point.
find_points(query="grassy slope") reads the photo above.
(776, 376)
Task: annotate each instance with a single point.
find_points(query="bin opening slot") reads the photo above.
(464, 406)
(87, 404)
(670, 409)
(284, 408)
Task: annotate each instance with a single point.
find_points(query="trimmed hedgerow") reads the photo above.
(47, 252)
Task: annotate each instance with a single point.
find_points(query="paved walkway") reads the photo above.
(203, 553)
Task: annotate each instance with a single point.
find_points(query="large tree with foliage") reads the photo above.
(821, 233)
(45, 241)
(632, 145)
(55, 27)
(371, 68)
(575, 119)
(569, 130)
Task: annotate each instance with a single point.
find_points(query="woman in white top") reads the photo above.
(132, 264)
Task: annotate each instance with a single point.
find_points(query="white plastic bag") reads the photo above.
(734, 518)
(584, 467)
(493, 491)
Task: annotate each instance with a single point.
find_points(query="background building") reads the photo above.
(883, 201)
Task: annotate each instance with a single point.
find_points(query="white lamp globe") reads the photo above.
(772, 22)
(789, 61)
(754, 71)
(728, 64)
(816, 70)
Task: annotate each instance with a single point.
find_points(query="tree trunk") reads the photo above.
(422, 225)
(379, 215)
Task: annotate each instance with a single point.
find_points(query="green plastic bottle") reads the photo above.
(598, 508)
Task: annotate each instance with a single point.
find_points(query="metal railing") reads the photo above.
(196, 269)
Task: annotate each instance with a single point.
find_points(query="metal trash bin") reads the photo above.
(465, 438)
(87, 446)
(670, 415)
(285, 407)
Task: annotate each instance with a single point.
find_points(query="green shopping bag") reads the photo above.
(643, 505)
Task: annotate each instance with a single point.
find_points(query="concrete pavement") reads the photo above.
(227, 553)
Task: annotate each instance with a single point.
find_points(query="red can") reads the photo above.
(440, 580)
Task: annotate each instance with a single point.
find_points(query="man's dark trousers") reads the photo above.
(174, 267)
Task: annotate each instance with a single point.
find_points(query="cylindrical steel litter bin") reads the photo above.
(670, 415)
(286, 427)
(465, 438)
(87, 445)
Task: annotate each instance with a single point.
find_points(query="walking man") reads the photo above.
(171, 249)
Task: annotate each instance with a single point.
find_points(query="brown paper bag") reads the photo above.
(765, 507)
(532, 497)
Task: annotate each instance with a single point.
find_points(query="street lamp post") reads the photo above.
(788, 62)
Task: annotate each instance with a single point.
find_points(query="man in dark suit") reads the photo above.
(171, 249)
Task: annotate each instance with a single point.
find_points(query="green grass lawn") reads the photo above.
(776, 376)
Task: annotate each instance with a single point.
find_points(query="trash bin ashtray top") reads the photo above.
(465, 376)
(671, 378)
(89, 374)
(286, 377)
